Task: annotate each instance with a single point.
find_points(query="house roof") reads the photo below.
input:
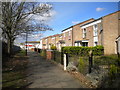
(111, 13)
(90, 22)
(78, 24)
(52, 36)
(99, 18)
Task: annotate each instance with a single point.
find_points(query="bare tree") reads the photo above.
(17, 19)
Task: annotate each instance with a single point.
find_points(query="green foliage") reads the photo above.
(53, 47)
(98, 50)
(106, 60)
(81, 65)
(57, 56)
(113, 70)
(83, 51)
(43, 53)
(21, 53)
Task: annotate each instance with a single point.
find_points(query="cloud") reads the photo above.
(45, 17)
(99, 9)
(75, 22)
(35, 36)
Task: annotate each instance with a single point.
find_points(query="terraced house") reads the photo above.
(102, 31)
(47, 42)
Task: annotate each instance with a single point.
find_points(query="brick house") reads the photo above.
(51, 40)
(118, 44)
(67, 36)
(103, 31)
(73, 34)
(78, 39)
(91, 33)
(44, 43)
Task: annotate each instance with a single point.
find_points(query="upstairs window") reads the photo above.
(95, 30)
(64, 34)
(69, 33)
(46, 40)
(53, 37)
(84, 33)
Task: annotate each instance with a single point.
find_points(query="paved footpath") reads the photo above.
(44, 74)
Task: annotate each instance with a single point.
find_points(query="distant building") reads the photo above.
(30, 45)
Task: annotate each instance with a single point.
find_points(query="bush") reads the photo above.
(83, 65)
(43, 53)
(53, 47)
(106, 60)
(113, 70)
(83, 51)
(98, 50)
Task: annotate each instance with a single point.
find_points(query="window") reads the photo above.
(84, 33)
(85, 44)
(53, 37)
(96, 43)
(69, 33)
(64, 34)
(46, 40)
(44, 44)
(95, 30)
(60, 36)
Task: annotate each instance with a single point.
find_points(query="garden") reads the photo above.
(104, 69)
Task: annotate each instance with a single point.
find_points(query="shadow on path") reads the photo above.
(44, 74)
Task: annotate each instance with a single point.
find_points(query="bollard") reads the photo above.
(64, 62)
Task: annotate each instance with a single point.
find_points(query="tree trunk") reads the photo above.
(9, 47)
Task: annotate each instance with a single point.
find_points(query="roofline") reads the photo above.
(100, 18)
(90, 22)
(78, 24)
(67, 28)
(52, 36)
(111, 13)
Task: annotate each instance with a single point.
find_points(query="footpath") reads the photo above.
(44, 74)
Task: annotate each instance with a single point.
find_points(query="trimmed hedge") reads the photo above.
(83, 51)
(53, 47)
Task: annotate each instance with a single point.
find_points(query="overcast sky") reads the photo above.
(66, 14)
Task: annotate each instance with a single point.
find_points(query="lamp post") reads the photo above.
(26, 40)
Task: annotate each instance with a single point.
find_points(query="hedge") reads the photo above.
(83, 51)
(53, 47)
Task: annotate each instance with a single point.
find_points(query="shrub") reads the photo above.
(106, 60)
(83, 66)
(113, 70)
(83, 51)
(43, 53)
(98, 50)
(53, 47)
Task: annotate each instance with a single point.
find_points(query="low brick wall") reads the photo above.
(49, 54)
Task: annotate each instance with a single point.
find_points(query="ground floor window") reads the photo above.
(77, 44)
(85, 44)
(96, 43)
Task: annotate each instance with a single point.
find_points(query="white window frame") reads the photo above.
(70, 33)
(84, 33)
(95, 27)
(53, 37)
